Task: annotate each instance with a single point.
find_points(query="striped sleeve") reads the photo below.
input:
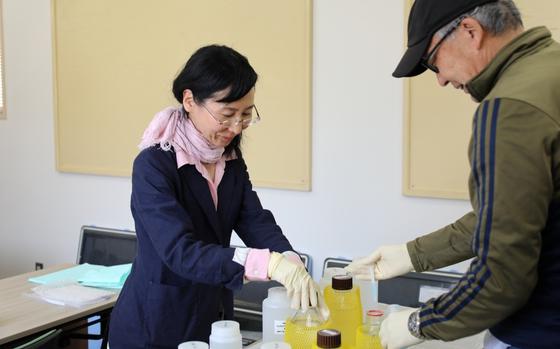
(449, 245)
(511, 187)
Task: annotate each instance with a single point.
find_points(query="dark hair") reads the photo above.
(212, 69)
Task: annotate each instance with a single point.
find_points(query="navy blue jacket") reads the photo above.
(183, 274)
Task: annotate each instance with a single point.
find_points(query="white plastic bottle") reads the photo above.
(193, 345)
(225, 335)
(276, 310)
(368, 294)
(275, 345)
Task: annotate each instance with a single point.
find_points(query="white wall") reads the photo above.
(356, 203)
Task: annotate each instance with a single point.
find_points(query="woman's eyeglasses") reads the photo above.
(243, 121)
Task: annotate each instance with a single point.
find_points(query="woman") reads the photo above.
(190, 189)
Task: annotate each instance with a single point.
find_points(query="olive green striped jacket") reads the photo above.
(513, 231)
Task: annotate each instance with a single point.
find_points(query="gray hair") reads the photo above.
(496, 17)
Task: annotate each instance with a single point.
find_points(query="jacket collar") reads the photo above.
(523, 45)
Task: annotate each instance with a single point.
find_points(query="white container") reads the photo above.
(276, 310)
(276, 345)
(193, 345)
(225, 335)
(368, 295)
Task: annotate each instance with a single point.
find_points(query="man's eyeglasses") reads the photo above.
(228, 122)
(428, 60)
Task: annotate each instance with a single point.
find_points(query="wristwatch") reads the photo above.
(414, 325)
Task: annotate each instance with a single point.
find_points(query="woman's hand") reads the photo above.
(302, 290)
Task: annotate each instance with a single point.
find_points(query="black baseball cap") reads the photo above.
(427, 17)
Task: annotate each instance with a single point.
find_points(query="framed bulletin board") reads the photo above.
(114, 63)
(438, 122)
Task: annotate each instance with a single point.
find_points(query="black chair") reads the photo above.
(102, 246)
(334, 262)
(413, 289)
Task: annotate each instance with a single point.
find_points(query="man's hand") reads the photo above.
(394, 333)
(384, 263)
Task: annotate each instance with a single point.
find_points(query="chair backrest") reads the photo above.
(105, 246)
(334, 262)
(47, 340)
(307, 261)
(413, 289)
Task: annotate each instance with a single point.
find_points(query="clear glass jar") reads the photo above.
(367, 335)
(301, 329)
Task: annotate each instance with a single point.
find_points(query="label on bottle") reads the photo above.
(279, 326)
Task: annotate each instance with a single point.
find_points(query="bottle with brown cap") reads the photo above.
(328, 339)
(343, 300)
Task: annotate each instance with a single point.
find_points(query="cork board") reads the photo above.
(114, 63)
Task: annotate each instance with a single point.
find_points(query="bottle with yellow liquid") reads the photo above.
(345, 308)
(367, 335)
(327, 339)
(301, 329)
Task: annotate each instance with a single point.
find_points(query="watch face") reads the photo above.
(411, 323)
(414, 324)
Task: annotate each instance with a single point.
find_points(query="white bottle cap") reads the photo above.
(193, 345)
(276, 345)
(393, 308)
(225, 335)
(277, 292)
(225, 328)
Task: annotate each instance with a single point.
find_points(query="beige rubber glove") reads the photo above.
(394, 332)
(301, 288)
(384, 263)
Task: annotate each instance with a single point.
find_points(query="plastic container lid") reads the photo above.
(375, 313)
(277, 292)
(328, 339)
(276, 345)
(193, 345)
(392, 308)
(225, 330)
(342, 282)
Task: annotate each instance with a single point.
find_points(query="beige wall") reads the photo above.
(115, 62)
(356, 202)
(438, 122)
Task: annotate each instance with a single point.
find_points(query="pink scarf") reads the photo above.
(171, 127)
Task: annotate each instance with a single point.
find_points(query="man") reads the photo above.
(513, 231)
